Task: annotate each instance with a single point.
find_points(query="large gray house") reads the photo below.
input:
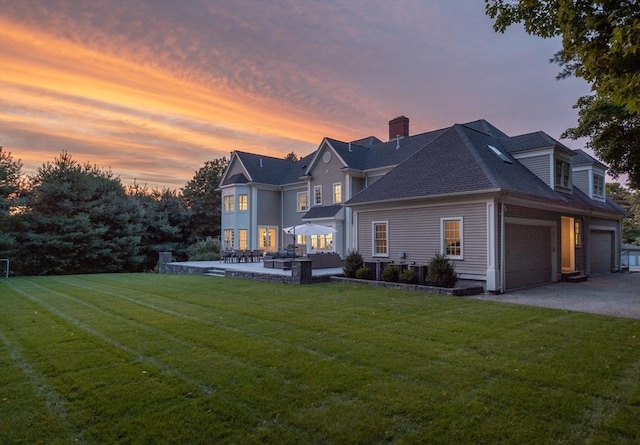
(511, 211)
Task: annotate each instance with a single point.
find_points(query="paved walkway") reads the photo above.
(616, 294)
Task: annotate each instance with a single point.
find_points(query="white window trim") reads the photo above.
(569, 174)
(231, 200)
(373, 239)
(334, 193)
(247, 207)
(315, 195)
(593, 179)
(443, 251)
(298, 202)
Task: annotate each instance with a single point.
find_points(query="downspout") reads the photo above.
(502, 249)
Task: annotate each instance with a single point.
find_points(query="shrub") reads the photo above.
(352, 262)
(441, 272)
(408, 276)
(364, 273)
(207, 249)
(390, 273)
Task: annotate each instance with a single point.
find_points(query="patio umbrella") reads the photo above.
(309, 229)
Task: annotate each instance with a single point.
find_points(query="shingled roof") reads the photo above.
(465, 158)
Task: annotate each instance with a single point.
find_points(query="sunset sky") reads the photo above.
(154, 88)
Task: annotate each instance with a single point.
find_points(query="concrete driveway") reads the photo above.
(616, 294)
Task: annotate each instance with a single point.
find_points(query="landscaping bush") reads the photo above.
(364, 273)
(408, 276)
(390, 274)
(441, 272)
(207, 249)
(352, 262)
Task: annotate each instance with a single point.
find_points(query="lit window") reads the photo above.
(322, 242)
(228, 239)
(302, 202)
(337, 192)
(598, 185)
(243, 202)
(451, 231)
(317, 193)
(242, 239)
(380, 239)
(562, 173)
(228, 203)
(578, 233)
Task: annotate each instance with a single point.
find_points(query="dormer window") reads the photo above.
(598, 185)
(562, 173)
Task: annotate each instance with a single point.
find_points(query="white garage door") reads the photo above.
(528, 255)
(601, 252)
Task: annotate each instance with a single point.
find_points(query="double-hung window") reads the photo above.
(302, 202)
(562, 173)
(451, 238)
(380, 240)
(228, 239)
(337, 192)
(317, 194)
(242, 239)
(598, 185)
(228, 203)
(243, 202)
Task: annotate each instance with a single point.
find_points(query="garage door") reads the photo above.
(601, 252)
(528, 255)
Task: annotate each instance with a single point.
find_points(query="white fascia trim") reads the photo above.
(533, 153)
(426, 204)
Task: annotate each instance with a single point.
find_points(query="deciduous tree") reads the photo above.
(204, 201)
(601, 44)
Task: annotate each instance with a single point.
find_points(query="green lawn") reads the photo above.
(156, 359)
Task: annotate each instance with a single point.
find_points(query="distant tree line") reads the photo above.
(71, 218)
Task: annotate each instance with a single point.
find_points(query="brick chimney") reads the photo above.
(399, 127)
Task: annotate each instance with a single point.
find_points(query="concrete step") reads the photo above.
(215, 272)
(574, 277)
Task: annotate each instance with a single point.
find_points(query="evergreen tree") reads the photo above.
(10, 188)
(77, 219)
(165, 223)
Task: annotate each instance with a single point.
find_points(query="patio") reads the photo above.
(217, 268)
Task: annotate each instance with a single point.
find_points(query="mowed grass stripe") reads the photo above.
(146, 367)
(386, 366)
(525, 373)
(398, 333)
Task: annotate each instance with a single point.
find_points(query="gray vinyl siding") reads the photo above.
(416, 231)
(581, 180)
(290, 205)
(539, 166)
(357, 185)
(326, 174)
(269, 206)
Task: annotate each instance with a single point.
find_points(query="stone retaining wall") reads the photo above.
(454, 291)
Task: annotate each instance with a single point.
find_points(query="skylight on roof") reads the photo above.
(499, 154)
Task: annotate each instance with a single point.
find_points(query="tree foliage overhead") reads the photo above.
(601, 44)
(629, 200)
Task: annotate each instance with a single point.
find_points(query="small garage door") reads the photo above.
(528, 255)
(601, 252)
